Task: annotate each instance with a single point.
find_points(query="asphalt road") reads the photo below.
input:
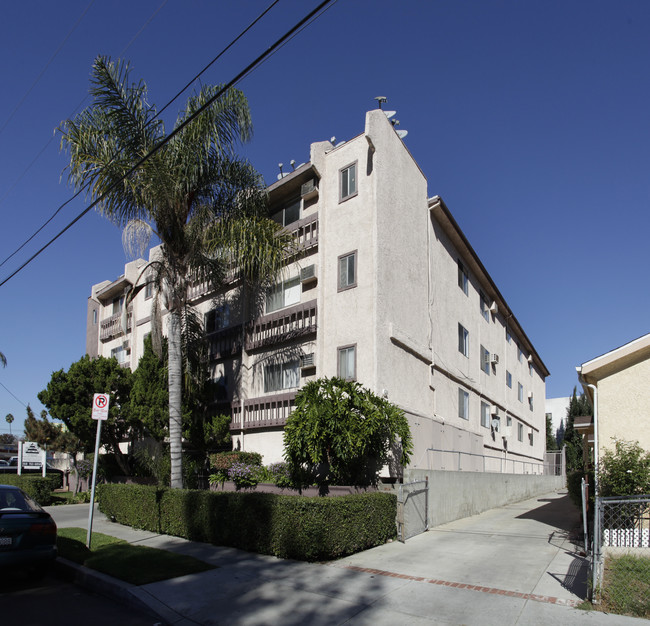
(53, 601)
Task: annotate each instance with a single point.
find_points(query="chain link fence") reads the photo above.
(621, 559)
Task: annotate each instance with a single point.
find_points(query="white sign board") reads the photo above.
(32, 455)
(100, 406)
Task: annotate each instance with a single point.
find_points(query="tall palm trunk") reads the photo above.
(175, 391)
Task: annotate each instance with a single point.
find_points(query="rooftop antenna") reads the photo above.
(380, 100)
(293, 164)
(280, 175)
(332, 140)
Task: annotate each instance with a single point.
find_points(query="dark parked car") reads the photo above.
(27, 533)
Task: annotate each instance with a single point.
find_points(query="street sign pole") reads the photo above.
(99, 413)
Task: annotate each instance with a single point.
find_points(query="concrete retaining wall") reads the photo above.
(454, 495)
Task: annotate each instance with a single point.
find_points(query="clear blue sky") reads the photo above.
(531, 120)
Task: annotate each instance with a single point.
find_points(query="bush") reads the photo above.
(574, 487)
(285, 526)
(222, 462)
(624, 471)
(39, 488)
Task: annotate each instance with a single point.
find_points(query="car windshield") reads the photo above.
(16, 499)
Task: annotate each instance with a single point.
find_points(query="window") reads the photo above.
(485, 415)
(531, 436)
(530, 368)
(348, 271)
(283, 294)
(485, 307)
(348, 178)
(119, 354)
(463, 340)
(520, 354)
(508, 421)
(520, 432)
(485, 360)
(347, 367)
(463, 278)
(508, 335)
(288, 214)
(509, 379)
(520, 392)
(530, 400)
(94, 316)
(118, 305)
(218, 318)
(463, 404)
(148, 290)
(279, 376)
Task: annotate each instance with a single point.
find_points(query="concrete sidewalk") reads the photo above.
(512, 565)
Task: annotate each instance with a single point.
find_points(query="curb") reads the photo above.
(112, 588)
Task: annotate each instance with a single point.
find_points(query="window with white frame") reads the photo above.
(148, 290)
(347, 362)
(463, 278)
(279, 376)
(288, 214)
(347, 271)
(520, 432)
(520, 392)
(485, 415)
(218, 318)
(485, 360)
(283, 294)
(485, 307)
(463, 404)
(463, 340)
(348, 182)
(508, 379)
(119, 354)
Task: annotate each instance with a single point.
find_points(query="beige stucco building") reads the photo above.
(386, 290)
(617, 384)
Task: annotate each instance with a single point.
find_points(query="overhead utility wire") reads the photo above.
(17, 250)
(257, 19)
(175, 132)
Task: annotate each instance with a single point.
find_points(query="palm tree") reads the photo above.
(9, 419)
(206, 206)
(3, 360)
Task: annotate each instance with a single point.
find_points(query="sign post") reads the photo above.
(99, 413)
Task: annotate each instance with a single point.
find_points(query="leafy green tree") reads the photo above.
(207, 207)
(624, 471)
(344, 433)
(7, 438)
(578, 406)
(550, 438)
(69, 398)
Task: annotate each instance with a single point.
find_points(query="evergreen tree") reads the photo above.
(578, 406)
(551, 444)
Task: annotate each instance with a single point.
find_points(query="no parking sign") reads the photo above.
(100, 406)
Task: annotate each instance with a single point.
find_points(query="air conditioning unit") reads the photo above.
(494, 359)
(494, 410)
(126, 344)
(494, 308)
(307, 361)
(308, 274)
(530, 358)
(309, 188)
(530, 395)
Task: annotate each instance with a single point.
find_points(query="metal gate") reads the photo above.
(412, 509)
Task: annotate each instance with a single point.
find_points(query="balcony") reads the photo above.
(266, 412)
(305, 233)
(290, 323)
(225, 343)
(111, 327)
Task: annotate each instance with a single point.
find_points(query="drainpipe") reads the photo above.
(596, 533)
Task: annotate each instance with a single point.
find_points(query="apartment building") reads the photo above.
(385, 290)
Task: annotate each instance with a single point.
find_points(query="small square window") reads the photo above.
(463, 340)
(463, 404)
(348, 271)
(463, 278)
(347, 366)
(509, 379)
(485, 415)
(485, 360)
(348, 182)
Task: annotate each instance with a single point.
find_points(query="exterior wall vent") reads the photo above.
(307, 361)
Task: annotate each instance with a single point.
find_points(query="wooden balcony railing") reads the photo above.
(305, 232)
(111, 327)
(296, 321)
(263, 412)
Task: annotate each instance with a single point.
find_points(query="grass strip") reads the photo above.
(138, 565)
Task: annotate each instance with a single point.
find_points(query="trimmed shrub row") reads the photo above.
(39, 488)
(295, 527)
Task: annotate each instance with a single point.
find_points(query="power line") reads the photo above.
(13, 396)
(248, 69)
(196, 77)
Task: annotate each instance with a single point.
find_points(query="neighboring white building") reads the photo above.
(386, 291)
(556, 409)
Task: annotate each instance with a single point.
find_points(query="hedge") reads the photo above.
(39, 488)
(295, 527)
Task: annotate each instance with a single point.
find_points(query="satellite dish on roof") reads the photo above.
(402, 133)
(389, 114)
